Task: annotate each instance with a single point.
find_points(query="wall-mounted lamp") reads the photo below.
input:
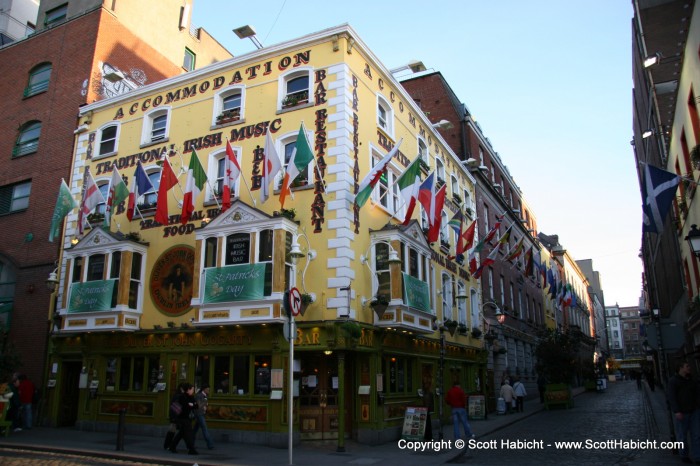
(652, 60)
(648, 133)
(248, 31)
(52, 281)
(297, 253)
(443, 124)
(693, 240)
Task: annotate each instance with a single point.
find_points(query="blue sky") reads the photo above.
(549, 82)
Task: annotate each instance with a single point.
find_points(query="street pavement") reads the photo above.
(652, 417)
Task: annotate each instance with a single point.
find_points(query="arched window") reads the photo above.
(385, 116)
(229, 105)
(39, 78)
(28, 139)
(294, 88)
(156, 127)
(108, 138)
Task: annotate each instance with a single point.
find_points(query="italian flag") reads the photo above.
(372, 178)
(409, 185)
(300, 159)
(196, 178)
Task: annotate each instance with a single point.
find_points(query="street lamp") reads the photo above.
(297, 253)
(693, 239)
(52, 281)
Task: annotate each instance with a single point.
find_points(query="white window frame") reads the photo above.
(391, 203)
(474, 300)
(446, 297)
(423, 150)
(440, 171)
(219, 102)
(388, 124)
(147, 128)
(290, 75)
(282, 141)
(192, 58)
(462, 303)
(155, 182)
(213, 173)
(100, 139)
(454, 186)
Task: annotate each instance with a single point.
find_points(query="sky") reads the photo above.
(549, 82)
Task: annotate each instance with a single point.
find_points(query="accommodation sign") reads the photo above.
(234, 283)
(91, 296)
(417, 293)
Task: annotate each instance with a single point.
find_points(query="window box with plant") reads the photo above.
(462, 329)
(476, 332)
(298, 98)
(288, 213)
(228, 116)
(457, 199)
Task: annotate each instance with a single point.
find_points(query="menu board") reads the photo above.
(477, 407)
(414, 423)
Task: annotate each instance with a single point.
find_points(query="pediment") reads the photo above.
(241, 216)
(97, 238)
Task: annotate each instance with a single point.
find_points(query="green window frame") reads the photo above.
(15, 197)
(28, 139)
(189, 60)
(39, 78)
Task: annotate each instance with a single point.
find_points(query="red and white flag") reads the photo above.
(92, 197)
(270, 167)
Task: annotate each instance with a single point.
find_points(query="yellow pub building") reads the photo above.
(380, 313)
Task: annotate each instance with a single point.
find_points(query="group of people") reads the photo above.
(21, 408)
(187, 408)
(513, 396)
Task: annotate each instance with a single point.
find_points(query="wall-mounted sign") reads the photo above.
(91, 296)
(417, 293)
(243, 282)
(171, 280)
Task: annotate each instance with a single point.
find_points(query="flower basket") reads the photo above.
(352, 329)
(462, 329)
(380, 304)
(476, 332)
(306, 300)
(451, 326)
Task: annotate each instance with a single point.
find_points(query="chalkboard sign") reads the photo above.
(238, 249)
(477, 407)
(414, 423)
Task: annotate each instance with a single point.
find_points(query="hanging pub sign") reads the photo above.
(417, 293)
(90, 296)
(243, 282)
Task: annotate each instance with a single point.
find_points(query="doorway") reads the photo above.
(69, 397)
(318, 397)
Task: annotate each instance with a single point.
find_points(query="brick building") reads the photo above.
(81, 53)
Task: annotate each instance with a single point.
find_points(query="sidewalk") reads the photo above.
(149, 449)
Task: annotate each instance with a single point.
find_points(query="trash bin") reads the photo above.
(501, 406)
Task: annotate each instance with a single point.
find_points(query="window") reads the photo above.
(15, 197)
(28, 139)
(446, 296)
(237, 251)
(399, 372)
(56, 15)
(228, 105)
(454, 185)
(150, 197)
(107, 137)
(381, 267)
(385, 116)
(136, 373)
(462, 304)
(232, 374)
(189, 60)
(423, 151)
(217, 172)
(294, 88)
(440, 171)
(101, 208)
(289, 144)
(156, 126)
(387, 192)
(444, 230)
(39, 78)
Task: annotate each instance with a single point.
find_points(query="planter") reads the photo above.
(451, 327)
(476, 332)
(352, 329)
(379, 308)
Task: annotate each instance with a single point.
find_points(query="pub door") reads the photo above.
(318, 397)
(68, 400)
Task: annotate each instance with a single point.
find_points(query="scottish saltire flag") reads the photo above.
(658, 190)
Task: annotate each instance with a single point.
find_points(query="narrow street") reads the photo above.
(618, 414)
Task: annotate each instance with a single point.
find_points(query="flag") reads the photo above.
(567, 295)
(472, 261)
(232, 170)
(271, 166)
(658, 190)
(467, 239)
(64, 204)
(167, 181)
(516, 251)
(409, 185)
(504, 238)
(300, 159)
(117, 193)
(196, 178)
(372, 178)
(141, 185)
(433, 203)
(456, 223)
(490, 259)
(529, 268)
(92, 196)
(492, 232)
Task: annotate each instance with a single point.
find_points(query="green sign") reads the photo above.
(234, 283)
(417, 293)
(91, 296)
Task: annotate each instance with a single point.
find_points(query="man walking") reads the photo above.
(26, 397)
(456, 398)
(682, 393)
(202, 399)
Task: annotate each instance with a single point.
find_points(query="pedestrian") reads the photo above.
(682, 393)
(508, 395)
(202, 399)
(457, 400)
(183, 418)
(650, 379)
(429, 403)
(15, 411)
(638, 378)
(26, 397)
(172, 417)
(520, 394)
(541, 385)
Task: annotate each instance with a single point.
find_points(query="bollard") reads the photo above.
(120, 429)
